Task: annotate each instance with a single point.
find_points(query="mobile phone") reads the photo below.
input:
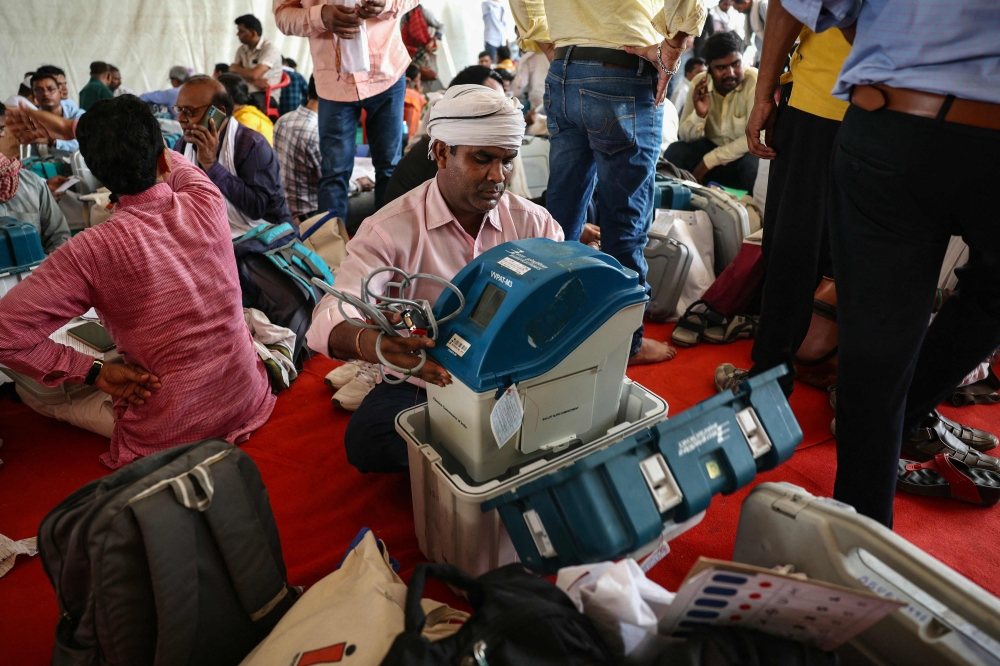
(93, 335)
(216, 114)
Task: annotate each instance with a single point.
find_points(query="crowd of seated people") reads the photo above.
(434, 189)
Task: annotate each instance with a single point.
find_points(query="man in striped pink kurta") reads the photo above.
(162, 276)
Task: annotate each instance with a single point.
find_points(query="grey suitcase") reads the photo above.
(949, 619)
(669, 263)
(730, 222)
(172, 560)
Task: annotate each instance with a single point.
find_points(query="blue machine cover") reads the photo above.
(670, 193)
(601, 508)
(20, 246)
(528, 304)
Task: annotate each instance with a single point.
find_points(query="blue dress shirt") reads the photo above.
(948, 47)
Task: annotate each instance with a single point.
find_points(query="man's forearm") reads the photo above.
(782, 29)
(344, 341)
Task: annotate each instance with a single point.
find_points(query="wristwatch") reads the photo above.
(95, 371)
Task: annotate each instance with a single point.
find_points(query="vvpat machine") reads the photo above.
(555, 320)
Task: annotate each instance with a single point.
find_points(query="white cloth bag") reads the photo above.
(357, 612)
(693, 229)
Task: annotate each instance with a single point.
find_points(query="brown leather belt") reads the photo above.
(927, 105)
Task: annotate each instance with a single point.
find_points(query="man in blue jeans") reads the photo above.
(332, 30)
(609, 71)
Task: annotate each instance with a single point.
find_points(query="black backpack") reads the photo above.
(738, 646)
(519, 619)
(172, 560)
(275, 271)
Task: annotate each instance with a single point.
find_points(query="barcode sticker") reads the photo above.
(458, 345)
(515, 266)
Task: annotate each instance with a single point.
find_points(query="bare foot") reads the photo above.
(652, 351)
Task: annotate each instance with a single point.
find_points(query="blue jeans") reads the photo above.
(492, 50)
(338, 126)
(604, 132)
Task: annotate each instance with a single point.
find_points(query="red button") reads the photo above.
(745, 607)
(755, 595)
(735, 618)
(765, 584)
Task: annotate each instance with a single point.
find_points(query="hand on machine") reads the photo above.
(391, 314)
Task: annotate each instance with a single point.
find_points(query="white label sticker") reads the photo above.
(515, 266)
(458, 344)
(507, 415)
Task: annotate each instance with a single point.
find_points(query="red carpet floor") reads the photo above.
(320, 502)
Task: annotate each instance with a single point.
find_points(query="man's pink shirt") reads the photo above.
(161, 274)
(389, 58)
(419, 234)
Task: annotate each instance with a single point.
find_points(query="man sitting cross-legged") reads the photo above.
(162, 276)
(437, 228)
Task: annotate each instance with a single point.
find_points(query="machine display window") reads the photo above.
(488, 305)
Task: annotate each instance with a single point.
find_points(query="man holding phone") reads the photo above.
(713, 143)
(239, 161)
(162, 276)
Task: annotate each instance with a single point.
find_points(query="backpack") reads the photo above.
(173, 560)
(737, 646)
(275, 270)
(519, 619)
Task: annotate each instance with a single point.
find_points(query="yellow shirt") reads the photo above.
(607, 23)
(814, 69)
(255, 119)
(726, 122)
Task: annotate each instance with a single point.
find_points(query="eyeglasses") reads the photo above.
(188, 111)
(38, 90)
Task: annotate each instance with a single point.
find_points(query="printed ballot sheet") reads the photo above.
(786, 605)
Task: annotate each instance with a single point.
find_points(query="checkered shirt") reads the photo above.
(296, 140)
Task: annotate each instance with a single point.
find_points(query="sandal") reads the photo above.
(692, 324)
(927, 443)
(984, 392)
(738, 328)
(945, 477)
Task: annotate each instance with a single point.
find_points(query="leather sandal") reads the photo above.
(942, 476)
(985, 392)
(692, 324)
(980, 440)
(923, 450)
(738, 328)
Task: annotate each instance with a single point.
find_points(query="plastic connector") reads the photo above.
(660, 480)
(753, 431)
(538, 534)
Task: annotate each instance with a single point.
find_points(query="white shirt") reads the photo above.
(265, 53)
(680, 94)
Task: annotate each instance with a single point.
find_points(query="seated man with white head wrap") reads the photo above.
(437, 228)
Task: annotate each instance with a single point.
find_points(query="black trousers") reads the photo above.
(371, 440)
(740, 174)
(796, 244)
(901, 186)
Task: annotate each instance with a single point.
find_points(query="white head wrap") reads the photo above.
(471, 115)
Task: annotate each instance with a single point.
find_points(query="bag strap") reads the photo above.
(319, 223)
(446, 573)
(167, 530)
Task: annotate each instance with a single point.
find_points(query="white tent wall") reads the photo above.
(144, 38)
